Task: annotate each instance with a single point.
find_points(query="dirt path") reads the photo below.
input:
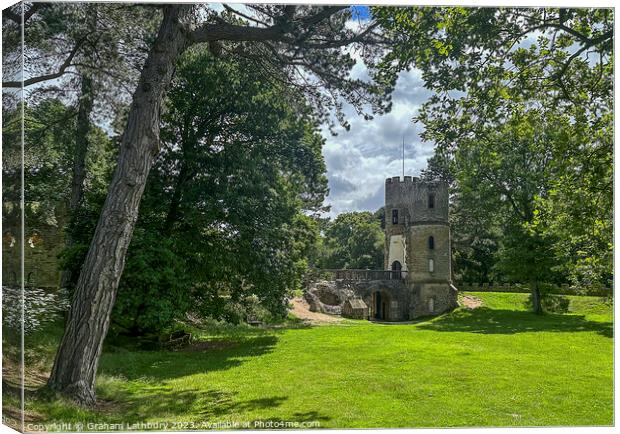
(301, 310)
(470, 302)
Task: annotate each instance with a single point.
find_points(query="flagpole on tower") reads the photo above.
(403, 156)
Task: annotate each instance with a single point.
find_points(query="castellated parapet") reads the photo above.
(411, 195)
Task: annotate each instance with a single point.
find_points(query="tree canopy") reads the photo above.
(522, 121)
(352, 240)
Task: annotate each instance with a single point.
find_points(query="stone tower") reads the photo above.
(417, 242)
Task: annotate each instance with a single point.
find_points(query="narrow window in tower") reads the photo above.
(431, 243)
(394, 216)
(431, 265)
(431, 200)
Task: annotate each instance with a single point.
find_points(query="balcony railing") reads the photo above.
(355, 275)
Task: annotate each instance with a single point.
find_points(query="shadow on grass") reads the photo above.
(162, 365)
(497, 321)
(210, 406)
(219, 403)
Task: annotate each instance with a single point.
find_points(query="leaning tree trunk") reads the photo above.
(85, 107)
(77, 358)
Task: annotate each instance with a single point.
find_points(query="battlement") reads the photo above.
(412, 196)
(404, 180)
(412, 182)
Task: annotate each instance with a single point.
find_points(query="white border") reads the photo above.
(522, 3)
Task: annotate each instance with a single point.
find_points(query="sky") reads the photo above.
(359, 160)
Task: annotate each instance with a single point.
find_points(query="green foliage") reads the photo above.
(154, 287)
(526, 256)
(555, 303)
(225, 227)
(49, 143)
(522, 121)
(352, 240)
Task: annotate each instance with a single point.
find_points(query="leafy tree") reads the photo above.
(578, 209)
(81, 54)
(353, 240)
(540, 74)
(526, 256)
(227, 191)
(240, 170)
(309, 37)
(48, 153)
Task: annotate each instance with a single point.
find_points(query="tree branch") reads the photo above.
(278, 31)
(247, 17)
(17, 18)
(233, 32)
(325, 13)
(50, 76)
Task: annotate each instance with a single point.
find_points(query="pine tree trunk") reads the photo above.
(77, 358)
(85, 107)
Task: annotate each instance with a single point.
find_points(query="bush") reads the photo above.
(552, 303)
(155, 289)
(40, 307)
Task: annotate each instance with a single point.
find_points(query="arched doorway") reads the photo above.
(381, 306)
(396, 270)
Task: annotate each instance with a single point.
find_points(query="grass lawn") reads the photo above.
(497, 365)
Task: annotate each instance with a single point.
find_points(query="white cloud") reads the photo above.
(359, 160)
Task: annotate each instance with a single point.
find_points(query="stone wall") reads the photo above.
(394, 292)
(402, 301)
(410, 196)
(432, 299)
(42, 245)
(419, 254)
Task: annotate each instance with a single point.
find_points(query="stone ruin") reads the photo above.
(387, 300)
(328, 296)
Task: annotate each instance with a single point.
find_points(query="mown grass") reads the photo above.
(497, 365)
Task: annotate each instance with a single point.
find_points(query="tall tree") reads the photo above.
(310, 37)
(542, 72)
(82, 54)
(228, 190)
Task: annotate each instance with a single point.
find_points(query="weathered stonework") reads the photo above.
(417, 251)
(417, 212)
(388, 300)
(355, 308)
(328, 296)
(42, 246)
(392, 297)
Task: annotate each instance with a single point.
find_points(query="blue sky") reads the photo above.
(359, 160)
(360, 12)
